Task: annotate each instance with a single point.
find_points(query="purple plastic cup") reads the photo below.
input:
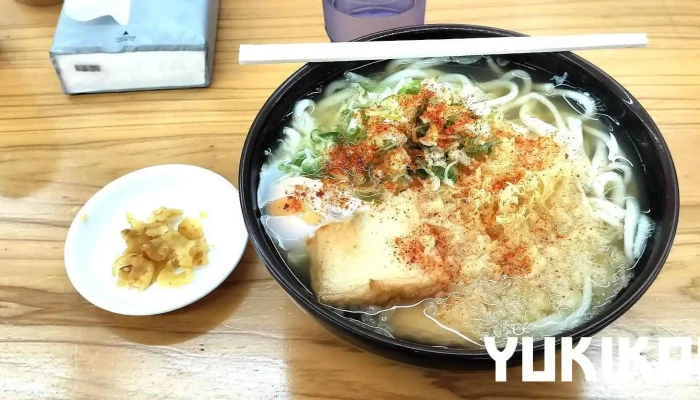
(349, 19)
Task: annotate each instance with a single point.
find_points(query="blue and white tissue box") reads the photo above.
(123, 45)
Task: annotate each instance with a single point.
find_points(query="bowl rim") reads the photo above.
(273, 262)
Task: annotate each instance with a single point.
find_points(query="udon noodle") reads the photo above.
(439, 207)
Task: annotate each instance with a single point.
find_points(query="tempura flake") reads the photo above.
(159, 250)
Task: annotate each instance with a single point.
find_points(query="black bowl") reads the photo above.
(642, 134)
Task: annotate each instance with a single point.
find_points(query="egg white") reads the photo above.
(291, 231)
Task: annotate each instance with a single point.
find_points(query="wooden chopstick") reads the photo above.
(356, 51)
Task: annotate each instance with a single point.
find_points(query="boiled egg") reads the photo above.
(294, 208)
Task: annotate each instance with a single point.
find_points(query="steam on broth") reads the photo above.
(446, 200)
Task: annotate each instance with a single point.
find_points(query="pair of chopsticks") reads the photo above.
(358, 51)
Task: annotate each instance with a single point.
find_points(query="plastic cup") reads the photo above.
(349, 19)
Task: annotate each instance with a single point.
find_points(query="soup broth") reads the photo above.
(446, 200)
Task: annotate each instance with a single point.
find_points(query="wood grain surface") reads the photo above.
(247, 339)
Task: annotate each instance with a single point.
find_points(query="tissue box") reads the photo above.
(164, 44)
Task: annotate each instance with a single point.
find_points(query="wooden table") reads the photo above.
(247, 340)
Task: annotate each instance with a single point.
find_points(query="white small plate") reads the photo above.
(94, 238)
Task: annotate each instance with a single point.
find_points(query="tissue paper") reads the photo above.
(85, 10)
(124, 45)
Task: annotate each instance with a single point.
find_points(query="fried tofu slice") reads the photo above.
(426, 323)
(355, 263)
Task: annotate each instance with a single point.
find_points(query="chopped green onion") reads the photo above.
(370, 195)
(480, 149)
(311, 174)
(412, 87)
(439, 172)
(423, 166)
(451, 174)
(289, 167)
(332, 136)
(319, 137)
(388, 145)
(305, 163)
(298, 158)
(353, 137)
(312, 167)
(422, 129)
(370, 87)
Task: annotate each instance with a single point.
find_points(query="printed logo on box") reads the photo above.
(125, 37)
